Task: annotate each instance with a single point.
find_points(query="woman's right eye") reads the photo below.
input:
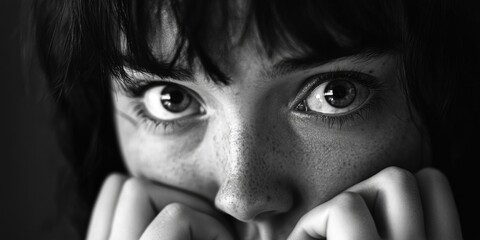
(170, 103)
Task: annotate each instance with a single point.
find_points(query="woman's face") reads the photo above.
(279, 140)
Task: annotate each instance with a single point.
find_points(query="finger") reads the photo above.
(178, 221)
(441, 217)
(103, 211)
(141, 200)
(134, 211)
(345, 217)
(162, 195)
(393, 197)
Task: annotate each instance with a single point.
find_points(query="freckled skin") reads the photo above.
(260, 162)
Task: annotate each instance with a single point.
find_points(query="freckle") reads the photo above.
(269, 198)
(371, 71)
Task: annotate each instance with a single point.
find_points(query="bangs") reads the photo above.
(100, 38)
(318, 30)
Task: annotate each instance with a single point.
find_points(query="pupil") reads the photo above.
(175, 99)
(340, 93)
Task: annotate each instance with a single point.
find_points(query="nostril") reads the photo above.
(265, 215)
(236, 206)
(252, 207)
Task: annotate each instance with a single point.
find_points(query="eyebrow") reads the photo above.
(281, 68)
(174, 72)
(161, 70)
(291, 65)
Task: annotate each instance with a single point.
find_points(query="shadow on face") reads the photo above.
(289, 130)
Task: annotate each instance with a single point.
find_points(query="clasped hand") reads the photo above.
(393, 204)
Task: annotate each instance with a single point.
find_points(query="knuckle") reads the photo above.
(432, 173)
(114, 178)
(175, 211)
(132, 186)
(396, 175)
(347, 201)
(430, 176)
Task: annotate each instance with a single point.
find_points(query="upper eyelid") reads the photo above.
(138, 91)
(138, 78)
(137, 82)
(311, 82)
(137, 88)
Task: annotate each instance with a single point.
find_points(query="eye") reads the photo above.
(337, 96)
(170, 102)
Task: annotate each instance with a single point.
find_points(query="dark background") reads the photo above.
(30, 159)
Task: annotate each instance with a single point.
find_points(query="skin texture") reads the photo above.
(236, 155)
(250, 165)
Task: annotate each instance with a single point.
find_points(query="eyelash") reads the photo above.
(375, 99)
(152, 124)
(136, 91)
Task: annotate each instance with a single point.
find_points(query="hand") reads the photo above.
(136, 209)
(393, 204)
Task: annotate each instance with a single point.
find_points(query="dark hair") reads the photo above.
(78, 46)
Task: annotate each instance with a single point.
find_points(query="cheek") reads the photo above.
(166, 159)
(333, 160)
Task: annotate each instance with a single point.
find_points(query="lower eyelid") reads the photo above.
(168, 127)
(372, 104)
(336, 121)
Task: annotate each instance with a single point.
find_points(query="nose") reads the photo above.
(253, 186)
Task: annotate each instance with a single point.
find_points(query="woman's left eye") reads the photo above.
(336, 96)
